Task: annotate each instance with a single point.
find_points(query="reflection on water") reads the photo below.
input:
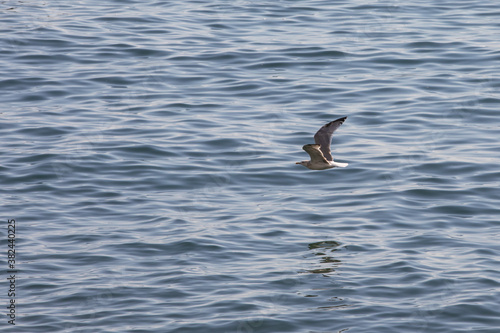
(328, 265)
(323, 249)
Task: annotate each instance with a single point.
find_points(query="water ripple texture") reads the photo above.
(148, 158)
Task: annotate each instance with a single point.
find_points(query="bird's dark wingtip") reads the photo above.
(341, 120)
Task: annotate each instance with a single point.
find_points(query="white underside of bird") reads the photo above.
(321, 156)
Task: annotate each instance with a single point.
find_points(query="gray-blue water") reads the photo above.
(148, 155)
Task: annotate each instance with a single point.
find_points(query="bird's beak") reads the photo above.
(297, 162)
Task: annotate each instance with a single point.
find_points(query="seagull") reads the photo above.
(321, 156)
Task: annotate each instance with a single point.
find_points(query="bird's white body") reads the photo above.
(321, 156)
(322, 165)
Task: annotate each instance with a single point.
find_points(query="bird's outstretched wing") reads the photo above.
(323, 137)
(316, 155)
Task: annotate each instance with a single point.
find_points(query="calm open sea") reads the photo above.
(148, 155)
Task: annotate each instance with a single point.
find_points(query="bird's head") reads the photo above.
(304, 163)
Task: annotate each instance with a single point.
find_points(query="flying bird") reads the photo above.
(321, 156)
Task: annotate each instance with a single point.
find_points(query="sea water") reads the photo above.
(148, 155)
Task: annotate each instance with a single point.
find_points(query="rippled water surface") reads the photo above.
(148, 155)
